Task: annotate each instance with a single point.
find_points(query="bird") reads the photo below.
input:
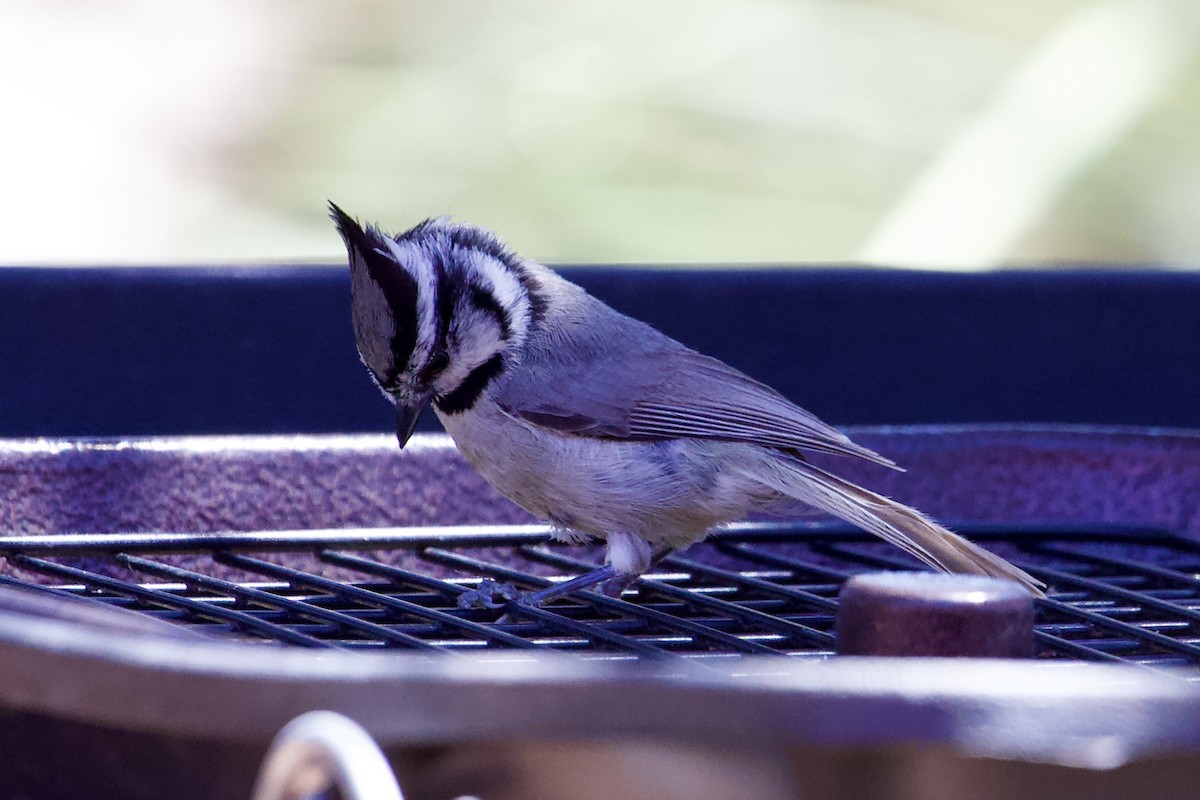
(593, 421)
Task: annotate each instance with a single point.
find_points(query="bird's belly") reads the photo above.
(669, 493)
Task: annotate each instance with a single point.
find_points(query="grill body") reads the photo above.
(1111, 517)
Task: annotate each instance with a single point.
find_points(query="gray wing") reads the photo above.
(622, 379)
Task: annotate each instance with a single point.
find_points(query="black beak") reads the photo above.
(407, 415)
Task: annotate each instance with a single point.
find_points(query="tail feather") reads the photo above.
(896, 523)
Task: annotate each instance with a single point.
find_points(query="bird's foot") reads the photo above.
(616, 585)
(490, 594)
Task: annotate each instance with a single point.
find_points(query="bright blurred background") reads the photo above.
(932, 133)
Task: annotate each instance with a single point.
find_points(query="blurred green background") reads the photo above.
(932, 133)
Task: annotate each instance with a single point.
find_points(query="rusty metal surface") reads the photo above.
(239, 483)
(1049, 474)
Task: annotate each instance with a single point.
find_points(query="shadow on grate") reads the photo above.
(758, 588)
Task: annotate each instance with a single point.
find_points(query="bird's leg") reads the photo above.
(579, 582)
(619, 582)
(628, 557)
(614, 583)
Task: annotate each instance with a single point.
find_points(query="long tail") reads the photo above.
(893, 522)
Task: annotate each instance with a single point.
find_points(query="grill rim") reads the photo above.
(1085, 715)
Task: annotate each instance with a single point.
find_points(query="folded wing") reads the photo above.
(655, 388)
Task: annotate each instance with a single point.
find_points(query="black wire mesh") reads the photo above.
(759, 588)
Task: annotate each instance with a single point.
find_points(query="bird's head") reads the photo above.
(438, 311)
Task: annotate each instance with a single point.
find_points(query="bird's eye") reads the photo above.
(437, 364)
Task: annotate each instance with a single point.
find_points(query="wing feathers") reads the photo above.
(575, 381)
(689, 422)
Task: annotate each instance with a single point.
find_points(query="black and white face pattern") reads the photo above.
(436, 308)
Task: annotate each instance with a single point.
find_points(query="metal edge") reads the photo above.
(1093, 716)
(235, 443)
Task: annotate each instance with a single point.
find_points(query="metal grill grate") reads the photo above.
(758, 588)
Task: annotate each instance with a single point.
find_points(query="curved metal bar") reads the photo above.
(322, 749)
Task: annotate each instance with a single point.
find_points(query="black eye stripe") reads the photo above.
(485, 301)
(434, 367)
(538, 303)
(481, 300)
(444, 294)
(467, 394)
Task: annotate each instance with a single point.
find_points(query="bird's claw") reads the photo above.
(616, 585)
(490, 594)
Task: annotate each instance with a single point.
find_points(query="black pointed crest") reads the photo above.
(398, 288)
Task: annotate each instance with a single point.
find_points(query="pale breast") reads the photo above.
(669, 492)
